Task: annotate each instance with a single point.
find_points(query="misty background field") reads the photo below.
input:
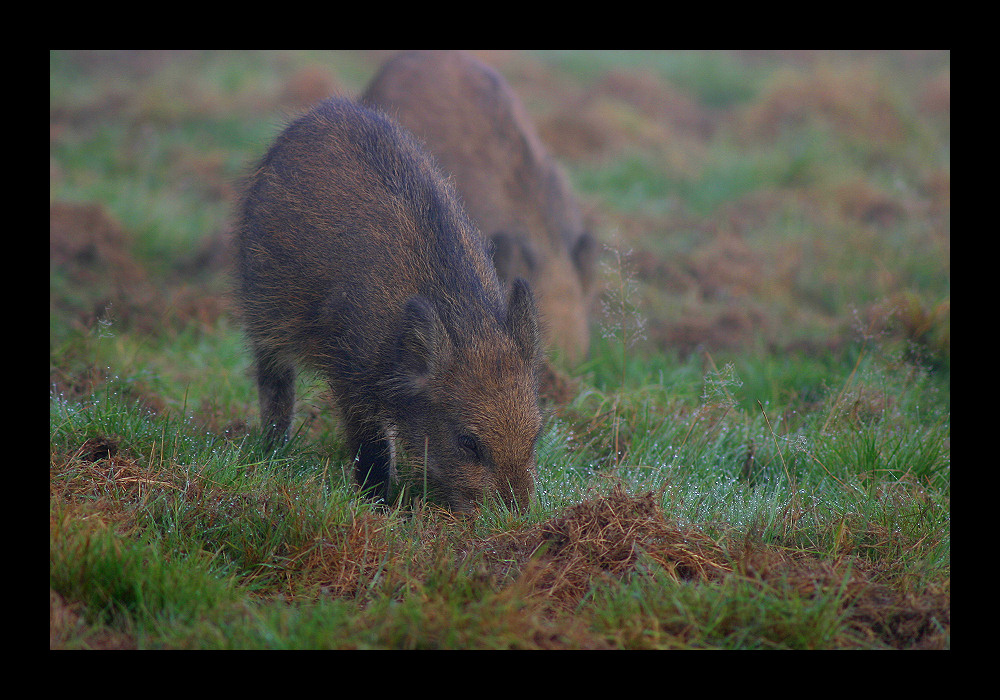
(755, 455)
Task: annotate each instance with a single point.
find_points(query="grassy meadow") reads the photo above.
(756, 455)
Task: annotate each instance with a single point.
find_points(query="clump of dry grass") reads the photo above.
(612, 537)
(105, 481)
(346, 561)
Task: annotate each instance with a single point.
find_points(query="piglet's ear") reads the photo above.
(522, 320)
(422, 347)
(513, 256)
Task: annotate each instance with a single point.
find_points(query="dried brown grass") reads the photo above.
(613, 537)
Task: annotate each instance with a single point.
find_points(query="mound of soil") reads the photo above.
(612, 536)
(92, 253)
(95, 276)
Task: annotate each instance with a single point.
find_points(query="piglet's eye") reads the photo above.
(469, 444)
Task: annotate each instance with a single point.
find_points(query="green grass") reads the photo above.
(799, 445)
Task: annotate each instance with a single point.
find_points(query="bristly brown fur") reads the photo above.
(476, 127)
(354, 258)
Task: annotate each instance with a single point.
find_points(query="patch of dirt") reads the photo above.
(92, 252)
(96, 449)
(94, 275)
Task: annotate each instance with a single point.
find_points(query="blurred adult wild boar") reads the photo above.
(472, 122)
(355, 259)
